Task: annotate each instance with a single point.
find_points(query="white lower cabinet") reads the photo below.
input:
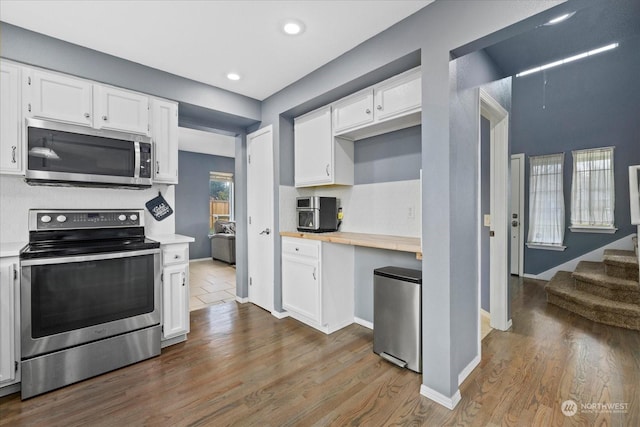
(175, 293)
(9, 323)
(317, 283)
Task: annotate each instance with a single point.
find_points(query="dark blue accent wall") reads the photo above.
(393, 156)
(192, 197)
(590, 103)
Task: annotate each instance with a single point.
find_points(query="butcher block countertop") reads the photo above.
(379, 241)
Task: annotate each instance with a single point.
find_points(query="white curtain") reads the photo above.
(592, 188)
(546, 200)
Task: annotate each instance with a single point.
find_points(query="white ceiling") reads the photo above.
(204, 40)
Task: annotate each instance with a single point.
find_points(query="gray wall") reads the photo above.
(395, 156)
(192, 197)
(367, 260)
(589, 103)
(434, 32)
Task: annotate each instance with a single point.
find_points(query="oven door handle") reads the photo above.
(84, 258)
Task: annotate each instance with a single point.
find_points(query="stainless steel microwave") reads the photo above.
(63, 154)
(317, 214)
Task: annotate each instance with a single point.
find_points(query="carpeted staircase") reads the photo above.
(606, 292)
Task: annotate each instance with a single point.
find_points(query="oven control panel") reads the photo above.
(75, 219)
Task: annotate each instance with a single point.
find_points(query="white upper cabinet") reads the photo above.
(57, 97)
(164, 132)
(118, 109)
(390, 105)
(353, 111)
(61, 98)
(10, 142)
(320, 159)
(399, 95)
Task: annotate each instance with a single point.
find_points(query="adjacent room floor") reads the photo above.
(242, 366)
(211, 282)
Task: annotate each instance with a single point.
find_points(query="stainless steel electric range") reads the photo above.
(90, 296)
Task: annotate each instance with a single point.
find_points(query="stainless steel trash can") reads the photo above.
(397, 316)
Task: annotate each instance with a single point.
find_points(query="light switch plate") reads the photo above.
(487, 220)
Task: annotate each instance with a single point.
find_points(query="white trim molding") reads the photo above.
(242, 300)
(584, 229)
(624, 243)
(447, 402)
(468, 369)
(499, 207)
(363, 322)
(280, 314)
(546, 247)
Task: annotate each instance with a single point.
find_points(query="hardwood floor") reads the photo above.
(241, 366)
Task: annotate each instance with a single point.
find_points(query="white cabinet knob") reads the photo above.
(61, 218)
(45, 218)
(122, 217)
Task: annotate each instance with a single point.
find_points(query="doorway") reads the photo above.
(496, 224)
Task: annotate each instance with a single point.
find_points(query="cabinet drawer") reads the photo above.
(175, 254)
(301, 247)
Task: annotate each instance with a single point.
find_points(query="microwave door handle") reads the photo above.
(136, 161)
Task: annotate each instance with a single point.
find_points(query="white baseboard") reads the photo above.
(280, 314)
(595, 255)
(468, 369)
(485, 314)
(447, 402)
(200, 259)
(242, 300)
(363, 322)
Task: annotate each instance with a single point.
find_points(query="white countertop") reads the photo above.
(168, 239)
(8, 249)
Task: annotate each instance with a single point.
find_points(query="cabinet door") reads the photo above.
(122, 110)
(313, 141)
(301, 286)
(175, 300)
(164, 132)
(60, 98)
(399, 95)
(353, 111)
(10, 146)
(8, 325)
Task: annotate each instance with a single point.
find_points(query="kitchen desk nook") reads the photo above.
(318, 274)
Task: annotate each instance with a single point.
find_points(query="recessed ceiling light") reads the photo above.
(233, 76)
(293, 27)
(560, 18)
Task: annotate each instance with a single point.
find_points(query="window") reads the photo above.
(546, 202)
(220, 197)
(593, 191)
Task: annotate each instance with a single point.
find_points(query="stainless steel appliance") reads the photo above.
(90, 296)
(397, 312)
(59, 154)
(317, 214)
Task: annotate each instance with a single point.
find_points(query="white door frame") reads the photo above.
(269, 280)
(499, 210)
(520, 157)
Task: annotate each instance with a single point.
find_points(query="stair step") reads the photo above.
(623, 264)
(591, 277)
(561, 291)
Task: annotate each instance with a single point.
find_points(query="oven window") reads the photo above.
(65, 297)
(306, 219)
(65, 152)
